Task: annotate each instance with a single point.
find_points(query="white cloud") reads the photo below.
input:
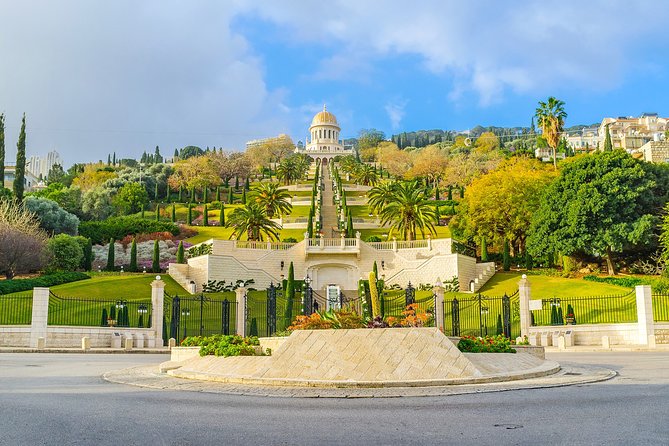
(395, 111)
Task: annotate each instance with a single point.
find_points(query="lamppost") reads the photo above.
(184, 314)
(142, 310)
(409, 295)
(484, 312)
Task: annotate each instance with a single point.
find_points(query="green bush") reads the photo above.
(118, 227)
(223, 345)
(627, 282)
(488, 344)
(66, 253)
(374, 238)
(47, 280)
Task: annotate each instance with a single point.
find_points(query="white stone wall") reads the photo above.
(591, 334)
(70, 337)
(14, 336)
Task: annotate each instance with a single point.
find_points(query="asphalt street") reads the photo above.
(61, 399)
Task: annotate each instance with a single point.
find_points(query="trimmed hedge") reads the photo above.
(118, 227)
(627, 282)
(47, 280)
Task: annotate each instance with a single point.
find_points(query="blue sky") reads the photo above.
(95, 77)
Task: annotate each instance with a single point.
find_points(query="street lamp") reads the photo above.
(184, 314)
(484, 312)
(308, 302)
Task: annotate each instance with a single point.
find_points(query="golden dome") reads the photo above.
(324, 117)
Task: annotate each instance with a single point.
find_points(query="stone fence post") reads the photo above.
(525, 295)
(240, 326)
(157, 309)
(644, 310)
(40, 315)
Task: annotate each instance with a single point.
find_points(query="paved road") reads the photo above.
(61, 399)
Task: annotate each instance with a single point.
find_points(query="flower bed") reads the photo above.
(488, 344)
(224, 345)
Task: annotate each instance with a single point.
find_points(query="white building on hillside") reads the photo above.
(323, 141)
(41, 166)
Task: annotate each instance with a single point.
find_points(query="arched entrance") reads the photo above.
(342, 275)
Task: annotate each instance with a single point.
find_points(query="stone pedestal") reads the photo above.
(39, 316)
(157, 300)
(241, 311)
(524, 294)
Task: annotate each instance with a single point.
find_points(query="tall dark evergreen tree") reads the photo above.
(20, 172)
(114, 159)
(181, 258)
(133, 256)
(189, 221)
(205, 216)
(88, 255)
(221, 215)
(290, 295)
(231, 197)
(155, 266)
(218, 193)
(608, 145)
(174, 213)
(108, 159)
(110, 255)
(2, 150)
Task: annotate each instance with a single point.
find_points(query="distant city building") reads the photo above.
(586, 138)
(282, 138)
(632, 133)
(30, 182)
(41, 166)
(655, 151)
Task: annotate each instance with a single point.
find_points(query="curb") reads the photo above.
(93, 351)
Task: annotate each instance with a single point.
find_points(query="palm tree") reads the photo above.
(252, 221)
(408, 210)
(550, 118)
(380, 195)
(365, 174)
(273, 200)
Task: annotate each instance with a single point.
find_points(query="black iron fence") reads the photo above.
(16, 309)
(661, 307)
(481, 315)
(270, 311)
(199, 315)
(82, 312)
(615, 309)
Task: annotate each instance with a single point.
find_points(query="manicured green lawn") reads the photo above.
(544, 287)
(114, 286)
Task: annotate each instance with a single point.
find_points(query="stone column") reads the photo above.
(429, 242)
(525, 296)
(644, 310)
(157, 308)
(241, 311)
(40, 315)
(439, 306)
(395, 244)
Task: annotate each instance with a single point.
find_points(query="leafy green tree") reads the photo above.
(601, 204)
(133, 256)
(20, 172)
(155, 265)
(550, 118)
(608, 145)
(66, 253)
(253, 222)
(408, 211)
(130, 198)
(180, 253)
(273, 200)
(2, 150)
(111, 255)
(52, 218)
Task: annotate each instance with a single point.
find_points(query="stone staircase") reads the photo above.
(179, 272)
(484, 271)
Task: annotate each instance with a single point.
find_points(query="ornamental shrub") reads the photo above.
(205, 216)
(180, 253)
(119, 227)
(66, 252)
(133, 257)
(488, 344)
(46, 281)
(156, 257)
(110, 255)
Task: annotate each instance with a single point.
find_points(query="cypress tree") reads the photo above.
(181, 194)
(87, 262)
(221, 215)
(231, 197)
(189, 221)
(103, 320)
(204, 194)
(218, 193)
(310, 225)
(462, 192)
(174, 213)
(236, 183)
(110, 255)
(436, 192)
(484, 249)
(500, 327)
(244, 196)
(375, 269)
(205, 216)
(156, 257)
(112, 312)
(192, 194)
(554, 315)
(126, 318)
(528, 260)
(608, 145)
(157, 211)
(290, 296)
(108, 159)
(506, 257)
(140, 322)
(114, 159)
(2, 150)
(155, 192)
(133, 256)
(450, 193)
(247, 184)
(20, 172)
(349, 225)
(142, 210)
(181, 258)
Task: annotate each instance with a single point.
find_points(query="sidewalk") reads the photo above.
(613, 348)
(150, 351)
